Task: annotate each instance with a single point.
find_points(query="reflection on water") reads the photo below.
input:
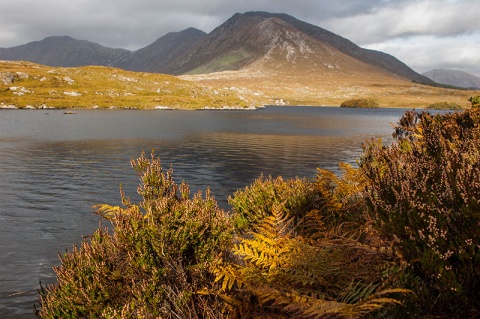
(53, 167)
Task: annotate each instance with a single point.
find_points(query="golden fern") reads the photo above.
(295, 275)
(270, 242)
(107, 211)
(307, 307)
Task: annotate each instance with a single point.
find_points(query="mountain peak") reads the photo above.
(59, 38)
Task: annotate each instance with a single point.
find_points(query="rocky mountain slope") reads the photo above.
(246, 38)
(454, 77)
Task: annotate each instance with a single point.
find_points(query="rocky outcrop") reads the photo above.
(9, 77)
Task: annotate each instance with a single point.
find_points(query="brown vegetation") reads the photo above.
(347, 246)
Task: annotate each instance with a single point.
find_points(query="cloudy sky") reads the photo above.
(425, 34)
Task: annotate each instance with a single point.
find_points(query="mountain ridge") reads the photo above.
(64, 51)
(157, 56)
(233, 45)
(454, 77)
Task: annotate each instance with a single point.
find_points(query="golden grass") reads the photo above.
(38, 86)
(304, 84)
(262, 83)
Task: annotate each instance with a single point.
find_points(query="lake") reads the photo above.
(54, 167)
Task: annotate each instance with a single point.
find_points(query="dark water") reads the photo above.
(54, 166)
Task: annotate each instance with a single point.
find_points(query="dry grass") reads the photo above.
(25, 84)
(309, 83)
(270, 81)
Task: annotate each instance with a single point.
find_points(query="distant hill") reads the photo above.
(158, 56)
(240, 41)
(64, 51)
(454, 77)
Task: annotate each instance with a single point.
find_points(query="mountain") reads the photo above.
(249, 37)
(242, 40)
(245, 38)
(64, 51)
(454, 77)
(158, 56)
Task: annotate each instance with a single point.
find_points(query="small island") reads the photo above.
(360, 103)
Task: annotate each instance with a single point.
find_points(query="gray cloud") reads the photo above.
(422, 33)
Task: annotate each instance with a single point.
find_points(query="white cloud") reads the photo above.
(425, 52)
(409, 18)
(421, 33)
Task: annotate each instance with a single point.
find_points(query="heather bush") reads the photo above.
(153, 264)
(424, 193)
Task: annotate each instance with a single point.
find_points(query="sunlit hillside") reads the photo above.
(29, 85)
(272, 82)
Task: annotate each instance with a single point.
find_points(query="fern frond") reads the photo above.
(277, 225)
(107, 211)
(228, 275)
(357, 292)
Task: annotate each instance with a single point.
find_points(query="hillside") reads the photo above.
(28, 85)
(454, 77)
(266, 58)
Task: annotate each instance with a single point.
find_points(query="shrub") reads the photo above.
(424, 191)
(444, 106)
(256, 201)
(360, 103)
(153, 264)
(305, 254)
(475, 100)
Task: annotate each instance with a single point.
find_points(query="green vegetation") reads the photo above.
(153, 264)
(361, 103)
(475, 100)
(423, 192)
(396, 237)
(227, 61)
(24, 84)
(444, 106)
